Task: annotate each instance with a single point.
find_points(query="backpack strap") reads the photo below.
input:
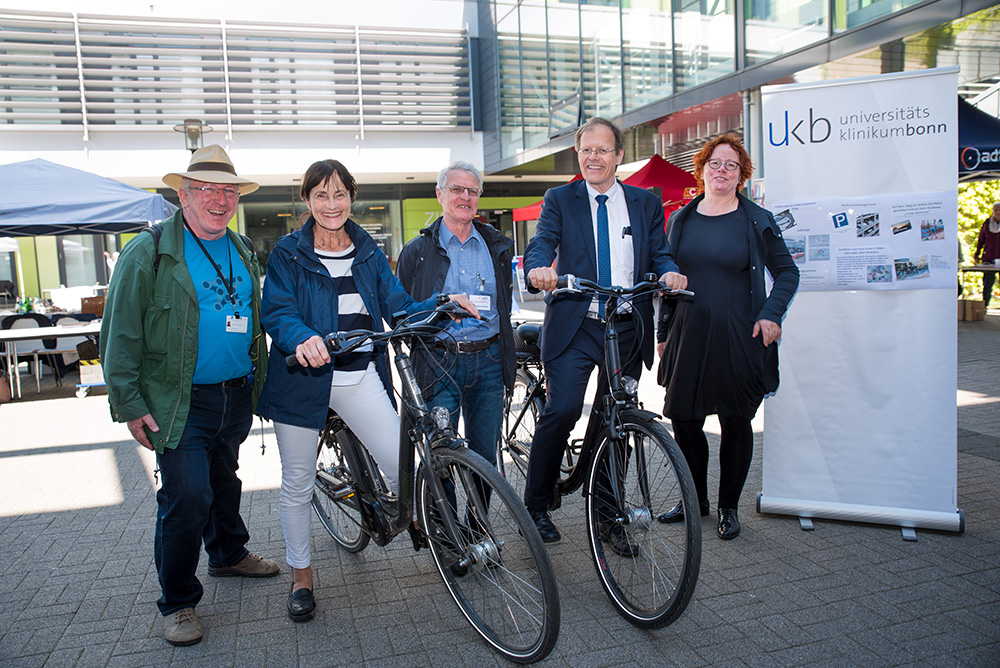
(156, 231)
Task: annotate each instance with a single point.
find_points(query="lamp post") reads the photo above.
(193, 129)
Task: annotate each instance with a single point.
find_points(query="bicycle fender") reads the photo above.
(639, 415)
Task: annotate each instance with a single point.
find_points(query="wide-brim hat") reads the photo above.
(211, 165)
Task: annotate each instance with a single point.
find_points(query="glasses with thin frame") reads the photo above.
(729, 165)
(230, 193)
(587, 152)
(458, 190)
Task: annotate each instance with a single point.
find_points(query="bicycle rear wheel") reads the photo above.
(335, 499)
(647, 568)
(523, 410)
(499, 573)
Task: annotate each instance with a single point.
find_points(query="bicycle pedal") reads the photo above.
(417, 536)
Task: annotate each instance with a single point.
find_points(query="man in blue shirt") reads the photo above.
(473, 361)
(184, 359)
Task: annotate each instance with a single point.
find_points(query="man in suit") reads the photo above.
(603, 230)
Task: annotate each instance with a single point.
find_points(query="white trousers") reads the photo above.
(366, 409)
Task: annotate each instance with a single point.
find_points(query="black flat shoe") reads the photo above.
(301, 605)
(618, 539)
(729, 524)
(546, 529)
(676, 514)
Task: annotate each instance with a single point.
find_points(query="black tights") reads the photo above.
(735, 453)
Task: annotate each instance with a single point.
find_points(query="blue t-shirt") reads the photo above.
(223, 353)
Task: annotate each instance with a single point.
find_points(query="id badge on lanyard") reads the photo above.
(236, 325)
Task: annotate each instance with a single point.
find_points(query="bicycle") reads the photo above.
(484, 544)
(631, 470)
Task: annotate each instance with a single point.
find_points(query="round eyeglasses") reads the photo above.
(728, 165)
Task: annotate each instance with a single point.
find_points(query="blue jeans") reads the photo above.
(474, 389)
(199, 499)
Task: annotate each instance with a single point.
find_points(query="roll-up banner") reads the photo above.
(861, 176)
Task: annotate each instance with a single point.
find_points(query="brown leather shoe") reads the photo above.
(252, 566)
(182, 628)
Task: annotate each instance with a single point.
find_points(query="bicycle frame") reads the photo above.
(419, 432)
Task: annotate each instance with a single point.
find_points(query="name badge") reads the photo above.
(236, 325)
(481, 302)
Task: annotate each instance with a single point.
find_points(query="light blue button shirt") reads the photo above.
(471, 272)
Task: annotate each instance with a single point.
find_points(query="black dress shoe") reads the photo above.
(616, 538)
(676, 514)
(729, 524)
(301, 605)
(546, 529)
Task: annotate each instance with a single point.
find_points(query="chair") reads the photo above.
(65, 346)
(7, 291)
(25, 348)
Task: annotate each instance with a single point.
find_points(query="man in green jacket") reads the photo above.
(184, 360)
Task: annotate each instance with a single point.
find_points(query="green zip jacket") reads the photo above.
(149, 335)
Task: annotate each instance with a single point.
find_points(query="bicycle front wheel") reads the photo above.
(335, 499)
(647, 568)
(523, 409)
(496, 569)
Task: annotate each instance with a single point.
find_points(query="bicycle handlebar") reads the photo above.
(573, 284)
(341, 343)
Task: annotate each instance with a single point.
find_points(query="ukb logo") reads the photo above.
(819, 131)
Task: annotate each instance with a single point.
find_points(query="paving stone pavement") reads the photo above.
(78, 587)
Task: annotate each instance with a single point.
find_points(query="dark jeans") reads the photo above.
(989, 278)
(199, 499)
(566, 380)
(475, 388)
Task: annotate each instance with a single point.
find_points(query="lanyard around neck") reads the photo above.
(229, 253)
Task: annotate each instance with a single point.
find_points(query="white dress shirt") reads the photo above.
(622, 257)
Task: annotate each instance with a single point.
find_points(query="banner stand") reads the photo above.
(864, 425)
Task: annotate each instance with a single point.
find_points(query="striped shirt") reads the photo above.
(352, 314)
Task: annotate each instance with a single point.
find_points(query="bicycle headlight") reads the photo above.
(630, 385)
(441, 417)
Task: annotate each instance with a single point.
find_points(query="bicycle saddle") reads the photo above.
(528, 332)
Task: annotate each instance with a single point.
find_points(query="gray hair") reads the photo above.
(459, 165)
(598, 122)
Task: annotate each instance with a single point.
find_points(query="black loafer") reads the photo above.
(546, 529)
(616, 538)
(301, 605)
(729, 524)
(676, 514)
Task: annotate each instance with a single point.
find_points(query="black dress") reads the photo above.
(712, 365)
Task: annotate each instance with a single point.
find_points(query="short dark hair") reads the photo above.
(597, 121)
(736, 143)
(321, 172)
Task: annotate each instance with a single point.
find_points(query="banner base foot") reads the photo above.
(806, 524)
(909, 534)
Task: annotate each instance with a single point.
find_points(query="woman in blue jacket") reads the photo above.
(328, 276)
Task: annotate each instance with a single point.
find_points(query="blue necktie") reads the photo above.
(603, 249)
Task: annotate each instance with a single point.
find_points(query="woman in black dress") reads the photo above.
(718, 352)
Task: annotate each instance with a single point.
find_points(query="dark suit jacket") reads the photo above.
(565, 235)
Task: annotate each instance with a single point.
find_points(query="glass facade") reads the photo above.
(564, 61)
(776, 27)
